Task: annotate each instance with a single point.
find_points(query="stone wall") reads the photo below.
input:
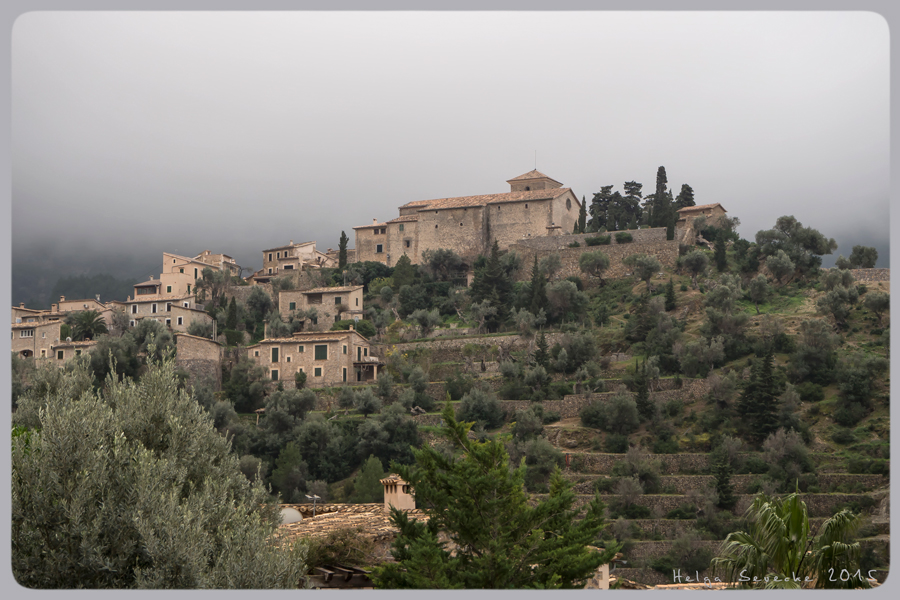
(555, 243)
(201, 358)
(683, 484)
(451, 350)
(871, 275)
(818, 505)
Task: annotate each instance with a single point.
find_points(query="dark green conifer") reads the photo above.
(670, 296)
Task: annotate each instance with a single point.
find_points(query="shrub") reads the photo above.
(458, 385)
(843, 436)
(233, 337)
(616, 443)
(683, 287)
(599, 240)
(574, 245)
(685, 511)
(481, 407)
(623, 237)
(551, 417)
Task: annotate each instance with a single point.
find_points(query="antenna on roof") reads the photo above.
(535, 160)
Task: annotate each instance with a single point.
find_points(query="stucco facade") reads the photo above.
(328, 358)
(35, 339)
(535, 206)
(176, 313)
(712, 212)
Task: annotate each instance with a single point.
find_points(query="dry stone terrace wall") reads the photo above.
(646, 241)
(670, 464)
(870, 275)
(683, 484)
(818, 505)
(451, 350)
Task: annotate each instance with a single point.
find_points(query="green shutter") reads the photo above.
(322, 352)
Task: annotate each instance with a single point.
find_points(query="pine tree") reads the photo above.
(404, 273)
(231, 318)
(670, 296)
(758, 404)
(342, 250)
(502, 539)
(685, 197)
(599, 206)
(539, 299)
(493, 284)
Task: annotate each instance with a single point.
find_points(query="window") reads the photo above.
(365, 351)
(168, 307)
(195, 272)
(134, 309)
(401, 229)
(322, 352)
(181, 320)
(26, 333)
(187, 304)
(317, 372)
(189, 288)
(256, 353)
(379, 249)
(270, 270)
(358, 354)
(43, 354)
(59, 355)
(460, 223)
(168, 322)
(78, 353)
(274, 374)
(337, 300)
(131, 323)
(345, 374)
(270, 256)
(315, 320)
(278, 255)
(407, 243)
(153, 308)
(526, 205)
(299, 348)
(357, 301)
(168, 289)
(292, 306)
(43, 334)
(435, 226)
(568, 203)
(287, 359)
(173, 261)
(181, 270)
(274, 354)
(345, 348)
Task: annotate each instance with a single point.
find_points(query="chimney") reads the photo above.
(292, 243)
(397, 493)
(62, 298)
(54, 308)
(21, 305)
(374, 221)
(351, 328)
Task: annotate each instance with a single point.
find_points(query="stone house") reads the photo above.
(712, 212)
(63, 352)
(201, 357)
(331, 303)
(220, 262)
(35, 339)
(290, 259)
(176, 313)
(535, 206)
(328, 358)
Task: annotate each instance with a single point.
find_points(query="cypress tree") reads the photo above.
(642, 391)
(542, 354)
(660, 210)
(759, 402)
(538, 289)
(582, 216)
(724, 487)
(342, 250)
(720, 256)
(670, 296)
(670, 228)
(231, 319)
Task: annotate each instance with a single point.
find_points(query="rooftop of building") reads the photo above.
(701, 207)
(533, 174)
(486, 199)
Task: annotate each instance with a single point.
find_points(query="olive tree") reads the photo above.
(695, 262)
(132, 487)
(644, 266)
(594, 264)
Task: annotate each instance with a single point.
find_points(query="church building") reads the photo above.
(536, 205)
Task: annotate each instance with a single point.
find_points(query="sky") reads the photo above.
(138, 133)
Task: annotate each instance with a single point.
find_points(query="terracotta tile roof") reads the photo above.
(290, 246)
(700, 207)
(83, 344)
(404, 219)
(157, 298)
(34, 324)
(393, 478)
(178, 334)
(368, 226)
(485, 199)
(371, 518)
(311, 336)
(533, 174)
(325, 290)
(155, 282)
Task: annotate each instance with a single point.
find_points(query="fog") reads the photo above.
(138, 133)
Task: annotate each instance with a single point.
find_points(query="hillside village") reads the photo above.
(635, 342)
